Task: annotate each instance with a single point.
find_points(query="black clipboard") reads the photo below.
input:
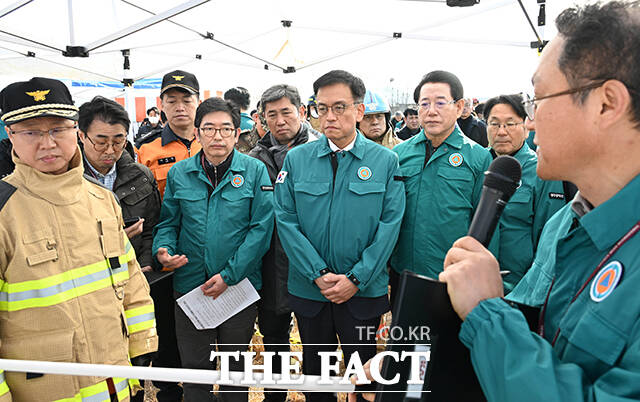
(449, 376)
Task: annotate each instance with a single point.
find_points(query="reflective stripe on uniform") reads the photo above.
(100, 392)
(59, 288)
(4, 388)
(140, 318)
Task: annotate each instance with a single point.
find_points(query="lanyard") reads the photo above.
(606, 258)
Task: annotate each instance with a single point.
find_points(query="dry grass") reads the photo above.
(256, 394)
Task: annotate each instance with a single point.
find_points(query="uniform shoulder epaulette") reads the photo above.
(150, 136)
(6, 191)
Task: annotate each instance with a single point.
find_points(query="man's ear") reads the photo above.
(459, 107)
(237, 134)
(614, 102)
(360, 112)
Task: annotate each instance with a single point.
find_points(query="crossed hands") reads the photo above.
(336, 287)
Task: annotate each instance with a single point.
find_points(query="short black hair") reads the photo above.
(103, 109)
(479, 109)
(153, 109)
(445, 77)
(355, 84)
(277, 92)
(410, 111)
(238, 95)
(515, 101)
(217, 105)
(602, 42)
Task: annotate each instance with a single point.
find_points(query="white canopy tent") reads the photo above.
(388, 43)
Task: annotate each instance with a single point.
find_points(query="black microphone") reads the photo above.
(500, 182)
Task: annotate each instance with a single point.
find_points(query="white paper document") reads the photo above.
(207, 313)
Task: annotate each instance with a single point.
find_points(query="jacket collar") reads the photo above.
(168, 136)
(610, 220)
(357, 150)
(237, 164)
(60, 189)
(454, 140)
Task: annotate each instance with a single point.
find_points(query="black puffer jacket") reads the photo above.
(275, 264)
(137, 191)
(6, 164)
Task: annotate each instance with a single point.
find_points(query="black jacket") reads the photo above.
(137, 191)
(275, 264)
(6, 163)
(474, 129)
(407, 133)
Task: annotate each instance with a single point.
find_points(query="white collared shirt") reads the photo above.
(335, 148)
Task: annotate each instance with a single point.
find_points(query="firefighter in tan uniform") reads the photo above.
(70, 287)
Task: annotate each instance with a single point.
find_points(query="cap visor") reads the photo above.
(183, 87)
(64, 113)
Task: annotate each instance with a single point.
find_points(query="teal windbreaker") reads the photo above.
(597, 353)
(524, 216)
(349, 226)
(226, 232)
(441, 199)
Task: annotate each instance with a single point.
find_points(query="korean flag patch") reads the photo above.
(281, 176)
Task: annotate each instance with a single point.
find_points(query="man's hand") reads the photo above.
(472, 274)
(342, 290)
(323, 282)
(214, 287)
(369, 396)
(134, 229)
(170, 261)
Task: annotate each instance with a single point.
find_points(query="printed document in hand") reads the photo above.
(207, 313)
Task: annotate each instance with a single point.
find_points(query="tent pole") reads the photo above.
(72, 35)
(145, 24)
(14, 7)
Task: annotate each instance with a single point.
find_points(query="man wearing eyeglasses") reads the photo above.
(443, 174)
(586, 273)
(103, 126)
(70, 284)
(533, 203)
(215, 226)
(339, 203)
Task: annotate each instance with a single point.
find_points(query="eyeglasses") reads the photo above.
(55, 133)
(495, 126)
(530, 105)
(210, 132)
(337, 109)
(103, 146)
(439, 105)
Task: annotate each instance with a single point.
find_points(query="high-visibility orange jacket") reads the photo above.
(163, 152)
(71, 289)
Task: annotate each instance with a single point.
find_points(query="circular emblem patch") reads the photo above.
(605, 281)
(455, 159)
(237, 180)
(364, 173)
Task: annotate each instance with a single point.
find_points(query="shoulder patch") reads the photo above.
(6, 191)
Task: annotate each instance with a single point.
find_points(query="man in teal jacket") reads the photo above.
(215, 225)
(533, 203)
(586, 273)
(339, 204)
(443, 174)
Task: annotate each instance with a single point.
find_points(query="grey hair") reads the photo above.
(278, 92)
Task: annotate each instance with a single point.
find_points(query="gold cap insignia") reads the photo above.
(38, 95)
(178, 77)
